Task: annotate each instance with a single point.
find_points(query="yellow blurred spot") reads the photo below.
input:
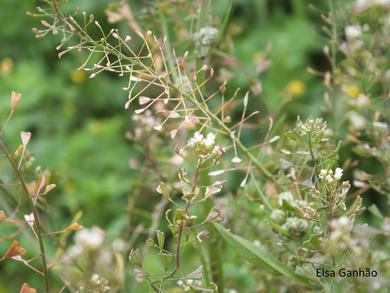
(95, 127)
(257, 57)
(296, 88)
(351, 90)
(6, 66)
(78, 76)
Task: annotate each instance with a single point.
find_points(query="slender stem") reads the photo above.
(263, 197)
(181, 225)
(6, 122)
(333, 52)
(37, 224)
(168, 51)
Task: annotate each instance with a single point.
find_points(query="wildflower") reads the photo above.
(184, 285)
(357, 121)
(338, 173)
(323, 173)
(351, 91)
(340, 235)
(95, 279)
(30, 220)
(210, 140)
(197, 139)
(329, 176)
(90, 238)
(329, 179)
(205, 146)
(315, 127)
(120, 245)
(296, 88)
(206, 36)
(353, 31)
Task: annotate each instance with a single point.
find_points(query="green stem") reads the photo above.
(37, 224)
(168, 50)
(333, 56)
(260, 192)
(214, 265)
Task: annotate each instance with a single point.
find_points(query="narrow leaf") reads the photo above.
(258, 255)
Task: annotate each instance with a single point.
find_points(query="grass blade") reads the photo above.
(258, 255)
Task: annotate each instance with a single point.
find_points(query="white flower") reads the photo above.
(329, 178)
(198, 137)
(338, 173)
(90, 238)
(206, 35)
(323, 173)
(210, 140)
(95, 278)
(30, 220)
(357, 121)
(353, 31)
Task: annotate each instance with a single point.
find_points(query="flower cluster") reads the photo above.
(97, 282)
(204, 146)
(189, 284)
(354, 40)
(340, 234)
(291, 215)
(331, 176)
(198, 140)
(315, 128)
(206, 36)
(145, 123)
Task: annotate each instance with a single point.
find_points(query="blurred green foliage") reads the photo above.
(78, 126)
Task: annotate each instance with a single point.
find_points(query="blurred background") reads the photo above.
(78, 125)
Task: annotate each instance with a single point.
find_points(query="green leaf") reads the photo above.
(259, 256)
(160, 239)
(375, 211)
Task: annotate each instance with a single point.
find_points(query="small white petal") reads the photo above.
(236, 160)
